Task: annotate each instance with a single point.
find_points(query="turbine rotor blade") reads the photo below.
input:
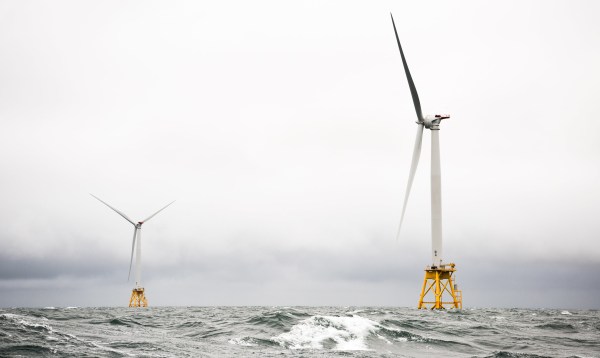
(151, 216)
(411, 84)
(117, 211)
(411, 175)
(132, 247)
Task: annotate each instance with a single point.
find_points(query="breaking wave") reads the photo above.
(340, 333)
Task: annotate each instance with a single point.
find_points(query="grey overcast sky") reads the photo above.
(284, 130)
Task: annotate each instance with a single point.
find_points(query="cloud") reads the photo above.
(285, 134)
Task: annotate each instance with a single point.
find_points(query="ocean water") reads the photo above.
(297, 332)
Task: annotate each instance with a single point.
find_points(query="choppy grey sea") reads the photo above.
(297, 332)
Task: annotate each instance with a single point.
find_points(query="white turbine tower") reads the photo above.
(438, 273)
(138, 298)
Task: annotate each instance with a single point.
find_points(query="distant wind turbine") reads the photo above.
(138, 298)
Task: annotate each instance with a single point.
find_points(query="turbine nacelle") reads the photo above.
(432, 121)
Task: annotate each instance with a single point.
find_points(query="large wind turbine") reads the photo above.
(431, 122)
(137, 297)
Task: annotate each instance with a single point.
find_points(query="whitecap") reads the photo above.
(44, 326)
(71, 336)
(50, 308)
(21, 320)
(348, 333)
(9, 316)
(246, 342)
(112, 350)
(384, 339)
(566, 312)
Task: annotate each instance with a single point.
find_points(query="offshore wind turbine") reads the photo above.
(138, 297)
(438, 276)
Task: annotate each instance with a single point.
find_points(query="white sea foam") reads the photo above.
(246, 342)
(565, 312)
(26, 321)
(112, 350)
(348, 333)
(355, 311)
(384, 339)
(45, 326)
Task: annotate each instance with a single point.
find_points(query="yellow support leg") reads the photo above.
(438, 292)
(422, 294)
(138, 298)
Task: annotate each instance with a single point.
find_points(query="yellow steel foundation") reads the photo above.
(138, 298)
(440, 289)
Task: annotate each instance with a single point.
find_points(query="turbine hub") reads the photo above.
(433, 121)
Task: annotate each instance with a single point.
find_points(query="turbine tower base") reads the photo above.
(138, 298)
(440, 285)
